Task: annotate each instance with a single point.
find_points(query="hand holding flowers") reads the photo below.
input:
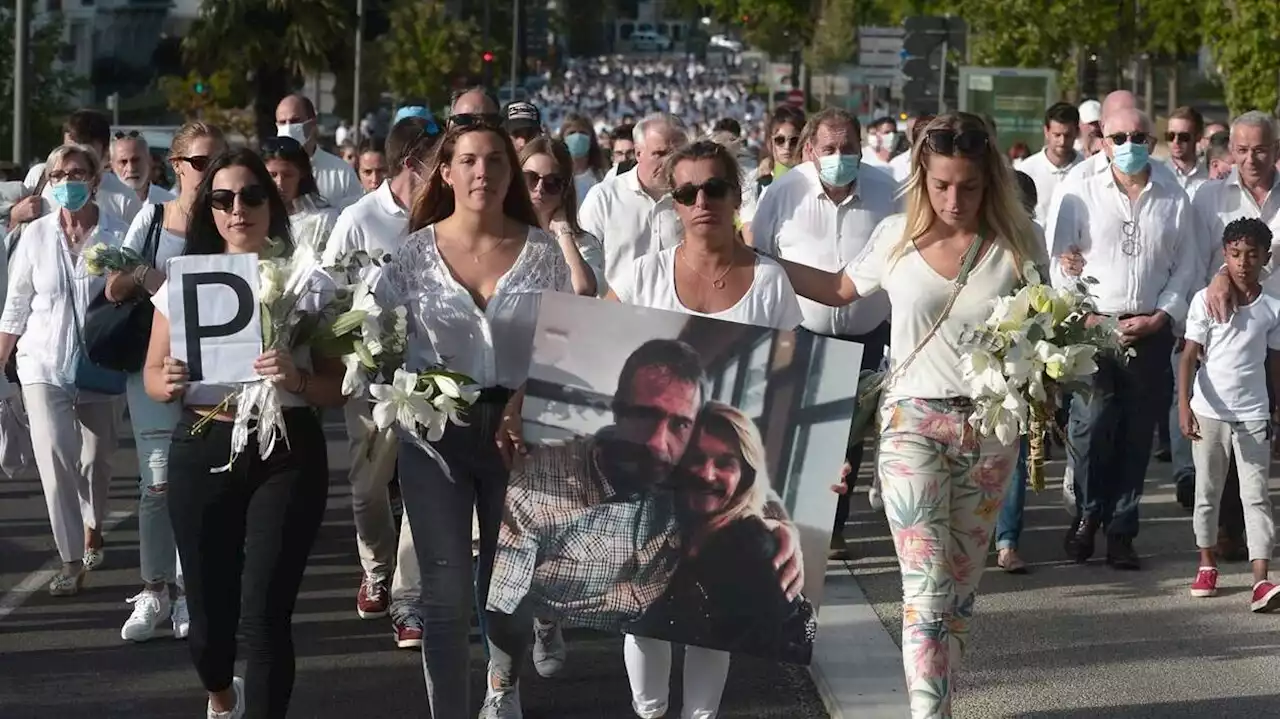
(102, 258)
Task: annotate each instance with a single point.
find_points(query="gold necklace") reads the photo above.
(716, 282)
(476, 258)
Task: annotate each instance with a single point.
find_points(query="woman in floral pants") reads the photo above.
(963, 242)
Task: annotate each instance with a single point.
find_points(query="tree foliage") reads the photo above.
(221, 103)
(775, 26)
(1242, 35)
(51, 87)
(427, 50)
(1033, 33)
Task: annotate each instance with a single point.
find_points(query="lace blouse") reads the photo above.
(494, 345)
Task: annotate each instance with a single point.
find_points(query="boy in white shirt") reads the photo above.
(1230, 410)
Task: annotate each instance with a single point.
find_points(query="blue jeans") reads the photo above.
(1009, 523)
(153, 424)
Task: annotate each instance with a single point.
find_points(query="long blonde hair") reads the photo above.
(730, 424)
(1002, 214)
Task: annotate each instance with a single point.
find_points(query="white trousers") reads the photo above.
(1250, 442)
(649, 671)
(73, 442)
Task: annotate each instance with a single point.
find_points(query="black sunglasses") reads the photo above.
(716, 189)
(1178, 137)
(132, 135)
(251, 196)
(790, 142)
(1137, 138)
(551, 184)
(486, 120)
(273, 146)
(966, 143)
(199, 163)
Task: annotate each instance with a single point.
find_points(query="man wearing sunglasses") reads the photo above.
(335, 178)
(93, 129)
(1186, 125)
(1100, 162)
(474, 106)
(131, 160)
(1140, 239)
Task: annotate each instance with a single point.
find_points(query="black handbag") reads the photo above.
(116, 334)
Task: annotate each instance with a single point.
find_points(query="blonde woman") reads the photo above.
(159, 233)
(961, 244)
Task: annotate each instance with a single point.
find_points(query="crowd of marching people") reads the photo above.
(648, 193)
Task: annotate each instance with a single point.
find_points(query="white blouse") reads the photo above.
(494, 345)
(312, 224)
(39, 302)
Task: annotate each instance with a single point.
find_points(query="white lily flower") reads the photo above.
(354, 378)
(434, 421)
(401, 402)
(983, 372)
(448, 386)
(451, 407)
(270, 281)
(371, 327)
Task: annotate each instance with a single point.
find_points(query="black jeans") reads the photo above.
(1112, 433)
(874, 344)
(244, 537)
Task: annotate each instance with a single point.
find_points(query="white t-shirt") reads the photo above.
(375, 224)
(170, 245)
(335, 179)
(1232, 382)
(918, 294)
(769, 302)
(584, 181)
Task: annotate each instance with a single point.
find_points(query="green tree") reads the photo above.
(776, 26)
(833, 39)
(51, 88)
(269, 42)
(1170, 31)
(1242, 35)
(427, 50)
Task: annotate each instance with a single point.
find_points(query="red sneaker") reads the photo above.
(1266, 597)
(1206, 583)
(408, 630)
(373, 598)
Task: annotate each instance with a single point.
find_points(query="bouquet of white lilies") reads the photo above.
(1037, 344)
(101, 258)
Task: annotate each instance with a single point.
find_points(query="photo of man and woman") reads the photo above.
(678, 478)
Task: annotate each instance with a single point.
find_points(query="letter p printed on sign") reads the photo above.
(214, 320)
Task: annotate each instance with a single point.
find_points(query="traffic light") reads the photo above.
(201, 88)
(488, 56)
(923, 62)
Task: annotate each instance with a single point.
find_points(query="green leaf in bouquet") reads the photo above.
(366, 358)
(347, 322)
(268, 327)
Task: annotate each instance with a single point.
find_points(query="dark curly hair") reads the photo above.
(1250, 230)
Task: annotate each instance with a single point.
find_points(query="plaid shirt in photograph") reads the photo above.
(579, 550)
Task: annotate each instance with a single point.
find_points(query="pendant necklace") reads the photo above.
(716, 282)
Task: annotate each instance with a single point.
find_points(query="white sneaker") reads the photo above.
(236, 712)
(503, 703)
(150, 610)
(1069, 491)
(181, 619)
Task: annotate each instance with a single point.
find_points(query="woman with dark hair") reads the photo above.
(311, 218)
(589, 163)
(548, 173)
(243, 535)
(782, 146)
(471, 274)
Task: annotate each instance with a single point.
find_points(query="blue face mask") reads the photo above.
(1130, 157)
(579, 144)
(839, 170)
(72, 195)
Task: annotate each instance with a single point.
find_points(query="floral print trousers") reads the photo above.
(942, 487)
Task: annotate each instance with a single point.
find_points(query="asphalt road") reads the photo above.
(64, 657)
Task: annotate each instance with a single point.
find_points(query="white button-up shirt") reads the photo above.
(1047, 177)
(494, 345)
(376, 224)
(1190, 181)
(45, 279)
(900, 166)
(628, 222)
(1218, 203)
(1137, 272)
(336, 180)
(798, 221)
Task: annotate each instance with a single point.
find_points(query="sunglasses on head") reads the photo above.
(250, 196)
(132, 135)
(487, 120)
(280, 146)
(199, 163)
(783, 140)
(1137, 138)
(716, 189)
(551, 184)
(966, 143)
(1178, 137)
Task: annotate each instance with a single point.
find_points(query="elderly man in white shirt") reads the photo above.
(1186, 125)
(1099, 162)
(822, 214)
(335, 178)
(131, 161)
(377, 224)
(1048, 167)
(1139, 238)
(632, 213)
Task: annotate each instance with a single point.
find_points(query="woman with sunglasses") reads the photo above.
(589, 164)
(548, 172)
(73, 432)
(782, 150)
(311, 218)
(471, 273)
(244, 535)
(962, 243)
(709, 274)
(157, 234)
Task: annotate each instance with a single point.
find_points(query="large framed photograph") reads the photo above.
(672, 460)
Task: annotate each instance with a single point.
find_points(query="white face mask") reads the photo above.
(295, 130)
(888, 141)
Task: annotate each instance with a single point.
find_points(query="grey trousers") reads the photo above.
(1251, 444)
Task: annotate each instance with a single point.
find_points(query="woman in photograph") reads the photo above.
(589, 163)
(709, 274)
(725, 591)
(548, 173)
(243, 535)
(73, 432)
(311, 218)
(962, 243)
(471, 274)
(161, 229)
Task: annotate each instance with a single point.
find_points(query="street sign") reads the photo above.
(880, 46)
(1016, 98)
(795, 98)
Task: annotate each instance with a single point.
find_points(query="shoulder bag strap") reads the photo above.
(970, 256)
(152, 246)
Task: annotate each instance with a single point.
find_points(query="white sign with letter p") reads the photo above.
(215, 325)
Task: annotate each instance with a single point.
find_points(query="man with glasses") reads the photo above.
(622, 149)
(1100, 162)
(335, 178)
(522, 122)
(1138, 235)
(131, 161)
(1186, 127)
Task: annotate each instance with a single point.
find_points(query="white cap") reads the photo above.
(1090, 111)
